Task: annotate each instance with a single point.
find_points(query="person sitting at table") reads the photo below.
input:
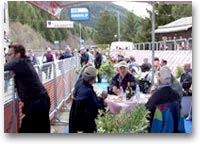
(85, 104)
(164, 93)
(121, 79)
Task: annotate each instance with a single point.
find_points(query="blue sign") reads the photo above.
(82, 41)
(56, 42)
(78, 14)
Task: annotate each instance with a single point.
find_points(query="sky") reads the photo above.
(139, 8)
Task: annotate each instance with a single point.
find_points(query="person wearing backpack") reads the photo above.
(186, 80)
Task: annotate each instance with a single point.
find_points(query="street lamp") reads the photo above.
(115, 36)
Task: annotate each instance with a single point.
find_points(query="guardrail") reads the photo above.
(177, 44)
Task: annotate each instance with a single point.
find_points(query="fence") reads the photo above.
(177, 44)
(57, 77)
(174, 55)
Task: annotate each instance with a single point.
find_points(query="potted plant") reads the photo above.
(107, 69)
(133, 122)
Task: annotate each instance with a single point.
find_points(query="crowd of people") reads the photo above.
(166, 88)
(86, 103)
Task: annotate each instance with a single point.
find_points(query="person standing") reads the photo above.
(85, 103)
(84, 56)
(66, 54)
(30, 91)
(186, 80)
(98, 62)
(32, 57)
(48, 57)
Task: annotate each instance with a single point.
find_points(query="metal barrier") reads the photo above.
(177, 44)
(57, 77)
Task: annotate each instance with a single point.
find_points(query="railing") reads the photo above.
(174, 55)
(178, 44)
(57, 77)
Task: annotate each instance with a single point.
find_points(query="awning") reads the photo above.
(181, 24)
(173, 29)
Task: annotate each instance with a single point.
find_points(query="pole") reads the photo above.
(80, 33)
(118, 26)
(153, 39)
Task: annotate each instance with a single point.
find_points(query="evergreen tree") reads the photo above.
(130, 27)
(181, 10)
(105, 29)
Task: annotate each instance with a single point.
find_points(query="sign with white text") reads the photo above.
(78, 14)
(60, 24)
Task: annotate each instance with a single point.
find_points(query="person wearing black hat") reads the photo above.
(85, 104)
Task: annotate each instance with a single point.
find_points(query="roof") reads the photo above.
(178, 25)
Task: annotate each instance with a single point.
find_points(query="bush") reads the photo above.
(133, 122)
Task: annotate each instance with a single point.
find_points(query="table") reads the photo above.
(117, 103)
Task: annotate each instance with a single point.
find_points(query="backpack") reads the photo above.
(186, 80)
(144, 85)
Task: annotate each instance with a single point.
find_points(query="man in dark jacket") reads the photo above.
(47, 57)
(98, 62)
(85, 104)
(186, 80)
(84, 56)
(30, 91)
(66, 54)
(121, 79)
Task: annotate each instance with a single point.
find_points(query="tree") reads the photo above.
(165, 13)
(130, 27)
(181, 10)
(106, 28)
(36, 18)
(144, 31)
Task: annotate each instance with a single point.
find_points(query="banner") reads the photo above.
(60, 24)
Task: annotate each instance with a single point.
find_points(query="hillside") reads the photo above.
(28, 25)
(24, 34)
(95, 9)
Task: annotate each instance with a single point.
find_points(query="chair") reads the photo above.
(168, 118)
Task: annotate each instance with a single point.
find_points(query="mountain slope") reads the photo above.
(96, 8)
